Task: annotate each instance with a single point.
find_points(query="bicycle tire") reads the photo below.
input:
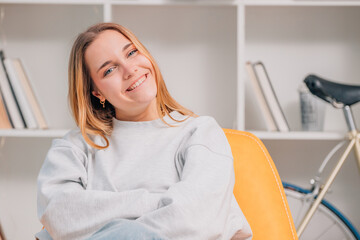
(327, 223)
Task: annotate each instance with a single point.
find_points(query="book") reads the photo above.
(262, 103)
(4, 118)
(9, 98)
(20, 94)
(270, 96)
(30, 94)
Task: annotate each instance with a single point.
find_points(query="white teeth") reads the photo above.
(135, 85)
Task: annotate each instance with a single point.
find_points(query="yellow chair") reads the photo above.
(258, 188)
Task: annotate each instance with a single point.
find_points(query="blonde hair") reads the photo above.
(89, 115)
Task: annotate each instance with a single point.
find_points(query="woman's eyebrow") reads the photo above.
(103, 65)
(126, 46)
(107, 62)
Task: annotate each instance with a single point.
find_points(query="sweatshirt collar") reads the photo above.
(148, 124)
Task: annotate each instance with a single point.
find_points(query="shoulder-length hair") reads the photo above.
(89, 114)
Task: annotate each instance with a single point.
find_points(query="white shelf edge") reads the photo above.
(128, 2)
(50, 133)
(301, 3)
(70, 2)
(191, 3)
(176, 2)
(299, 135)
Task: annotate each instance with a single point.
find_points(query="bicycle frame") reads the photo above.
(354, 143)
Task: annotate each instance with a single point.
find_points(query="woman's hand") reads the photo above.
(240, 235)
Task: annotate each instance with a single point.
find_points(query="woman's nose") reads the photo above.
(129, 71)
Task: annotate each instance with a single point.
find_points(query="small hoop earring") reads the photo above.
(103, 103)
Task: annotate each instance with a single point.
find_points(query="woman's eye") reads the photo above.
(108, 71)
(132, 52)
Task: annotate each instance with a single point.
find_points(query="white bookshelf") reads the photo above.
(231, 95)
(201, 47)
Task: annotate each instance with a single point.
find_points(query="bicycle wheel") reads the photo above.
(326, 224)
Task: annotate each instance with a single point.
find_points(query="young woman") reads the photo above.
(139, 165)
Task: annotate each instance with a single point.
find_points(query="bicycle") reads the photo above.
(319, 218)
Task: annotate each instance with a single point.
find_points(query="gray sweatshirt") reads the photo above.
(177, 181)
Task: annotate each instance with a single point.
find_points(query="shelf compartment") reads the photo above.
(195, 53)
(44, 47)
(294, 41)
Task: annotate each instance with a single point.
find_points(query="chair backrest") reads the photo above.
(258, 188)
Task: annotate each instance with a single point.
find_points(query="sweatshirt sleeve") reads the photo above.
(198, 206)
(67, 210)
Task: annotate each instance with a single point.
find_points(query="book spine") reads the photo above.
(263, 104)
(271, 98)
(4, 117)
(20, 94)
(4, 104)
(24, 80)
(8, 94)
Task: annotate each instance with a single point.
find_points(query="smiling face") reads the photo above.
(122, 76)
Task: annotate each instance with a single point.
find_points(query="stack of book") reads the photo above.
(270, 107)
(19, 108)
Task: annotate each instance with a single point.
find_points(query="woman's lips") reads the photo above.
(137, 83)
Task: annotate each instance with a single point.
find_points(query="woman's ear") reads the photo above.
(97, 94)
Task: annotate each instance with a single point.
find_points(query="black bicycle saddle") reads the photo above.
(335, 93)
